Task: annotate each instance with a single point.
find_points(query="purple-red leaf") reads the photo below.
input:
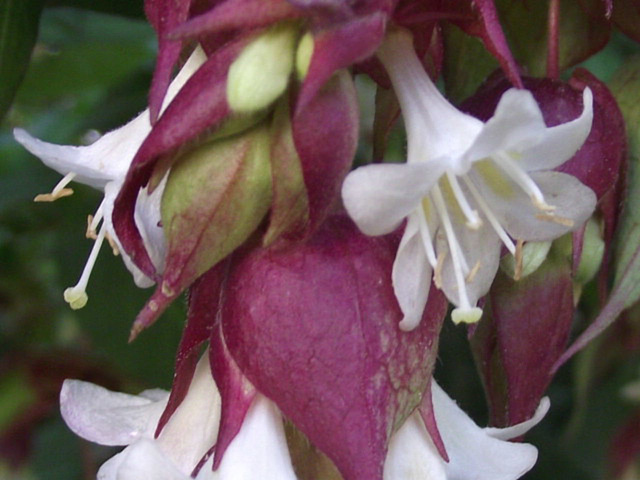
(523, 333)
(315, 328)
(236, 14)
(164, 15)
(203, 309)
(340, 47)
(326, 137)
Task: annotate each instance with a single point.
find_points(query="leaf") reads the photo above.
(18, 31)
(117, 7)
(581, 33)
(467, 64)
(626, 287)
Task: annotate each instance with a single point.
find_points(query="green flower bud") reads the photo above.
(592, 253)
(533, 254)
(261, 72)
(303, 55)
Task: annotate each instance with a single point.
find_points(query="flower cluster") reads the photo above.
(320, 327)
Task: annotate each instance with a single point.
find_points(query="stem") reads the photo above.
(553, 67)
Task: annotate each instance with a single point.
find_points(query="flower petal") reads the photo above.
(105, 160)
(379, 197)
(520, 429)
(411, 275)
(561, 142)
(516, 124)
(474, 454)
(140, 460)
(573, 204)
(412, 454)
(481, 250)
(259, 451)
(193, 428)
(108, 418)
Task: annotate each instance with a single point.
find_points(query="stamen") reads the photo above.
(474, 221)
(493, 220)
(473, 272)
(517, 274)
(112, 243)
(437, 272)
(94, 220)
(549, 217)
(76, 296)
(425, 234)
(456, 252)
(58, 191)
(522, 178)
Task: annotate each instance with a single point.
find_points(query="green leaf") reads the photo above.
(583, 30)
(18, 31)
(128, 8)
(466, 64)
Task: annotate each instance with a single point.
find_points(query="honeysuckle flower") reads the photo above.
(183, 448)
(467, 187)
(103, 165)
(474, 453)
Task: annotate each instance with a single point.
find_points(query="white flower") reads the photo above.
(474, 453)
(259, 450)
(103, 165)
(467, 187)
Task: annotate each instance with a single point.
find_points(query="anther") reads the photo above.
(437, 272)
(548, 217)
(517, 274)
(474, 271)
(59, 191)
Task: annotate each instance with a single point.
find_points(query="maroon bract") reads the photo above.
(315, 328)
(517, 343)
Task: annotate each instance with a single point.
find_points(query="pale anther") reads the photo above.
(59, 191)
(474, 271)
(518, 256)
(548, 217)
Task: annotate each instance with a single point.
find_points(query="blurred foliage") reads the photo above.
(90, 70)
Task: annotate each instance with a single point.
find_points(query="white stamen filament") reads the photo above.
(425, 234)
(473, 219)
(522, 178)
(94, 221)
(58, 191)
(76, 296)
(459, 263)
(493, 220)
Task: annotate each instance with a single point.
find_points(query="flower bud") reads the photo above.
(261, 72)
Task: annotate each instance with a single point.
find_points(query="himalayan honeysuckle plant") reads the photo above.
(321, 265)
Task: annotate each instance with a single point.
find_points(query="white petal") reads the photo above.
(521, 428)
(259, 451)
(379, 197)
(481, 249)
(473, 454)
(574, 204)
(561, 142)
(193, 428)
(103, 161)
(412, 454)
(105, 417)
(109, 157)
(141, 460)
(516, 125)
(411, 275)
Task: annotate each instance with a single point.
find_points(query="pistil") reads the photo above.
(76, 296)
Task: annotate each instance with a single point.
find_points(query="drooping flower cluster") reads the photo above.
(315, 327)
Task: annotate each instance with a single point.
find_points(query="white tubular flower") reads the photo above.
(467, 187)
(111, 418)
(103, 165)
(474, 453)
(258, 452)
